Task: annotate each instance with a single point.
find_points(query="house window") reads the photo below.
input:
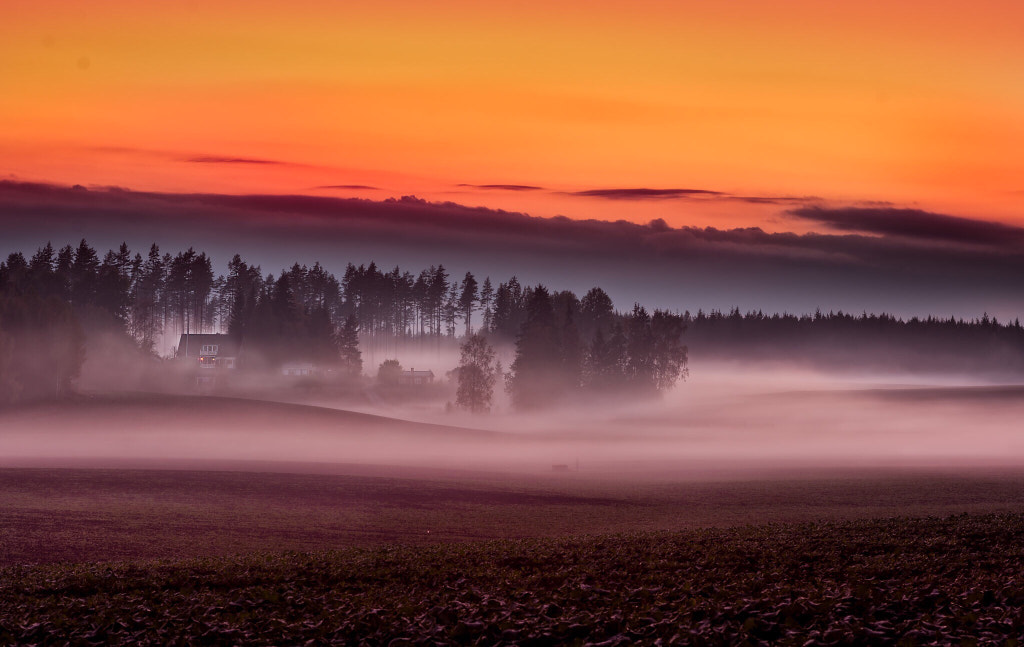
(208, 349)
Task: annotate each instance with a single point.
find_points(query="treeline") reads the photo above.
(147, 296)
(557, 358)
(865, 341)
(41, 347)
(297, 316)
(564, 344)
(160, 295)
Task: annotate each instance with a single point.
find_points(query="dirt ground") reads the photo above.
(85, 515)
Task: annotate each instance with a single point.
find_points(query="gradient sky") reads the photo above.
(730, 111)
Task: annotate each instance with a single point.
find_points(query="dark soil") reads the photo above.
(955, 580)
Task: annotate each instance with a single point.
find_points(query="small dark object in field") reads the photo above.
(559, 468)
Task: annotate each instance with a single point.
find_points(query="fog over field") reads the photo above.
(723, 421)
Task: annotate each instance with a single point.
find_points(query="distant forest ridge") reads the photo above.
(838, 340)
(164, 294)
(308, 311)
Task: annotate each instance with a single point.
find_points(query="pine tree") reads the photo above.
(486, 296)
(146, 314)
(571, 352)
(62, 272)
(606, 360)
(348, 346)
(640, 350)
(467, 299)
(84, 271)
(113, 283)
(509, 307)
(41, 271)
(537, 378)
(596, 312)
(451, 309)
(321, 339)
(14, 274)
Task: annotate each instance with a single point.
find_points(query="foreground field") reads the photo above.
(103, 515)
(284, 524)
(956, 580)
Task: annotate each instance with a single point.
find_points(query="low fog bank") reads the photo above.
(714, 388)
(742, 421)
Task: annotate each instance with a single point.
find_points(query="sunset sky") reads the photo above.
(731, 113)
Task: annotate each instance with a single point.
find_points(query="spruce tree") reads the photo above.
(348, 347)
(537, 379)
(468, 298)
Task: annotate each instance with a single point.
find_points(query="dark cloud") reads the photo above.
(349, 186)
(644, 194)
(214, 159)
(503, 187)
(654, 263)
(689, 194)
(914, 223)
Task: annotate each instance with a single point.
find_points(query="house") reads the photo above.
(209, 354)
(414, 377)
(208, 351)
(300, 369)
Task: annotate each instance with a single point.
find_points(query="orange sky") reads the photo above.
(920, 104)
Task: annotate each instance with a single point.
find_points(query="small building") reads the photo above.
(412, 377)
(209, 354)
(208, 350)
(300, 369)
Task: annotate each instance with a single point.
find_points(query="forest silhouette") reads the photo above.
(54, 302)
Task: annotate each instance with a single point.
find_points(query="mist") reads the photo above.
(575, 389)
(764, 421)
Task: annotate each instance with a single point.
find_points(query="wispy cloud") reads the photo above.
(362, 187)
(503, 187)
(914, 223)
(216, 159)
(644, 193)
